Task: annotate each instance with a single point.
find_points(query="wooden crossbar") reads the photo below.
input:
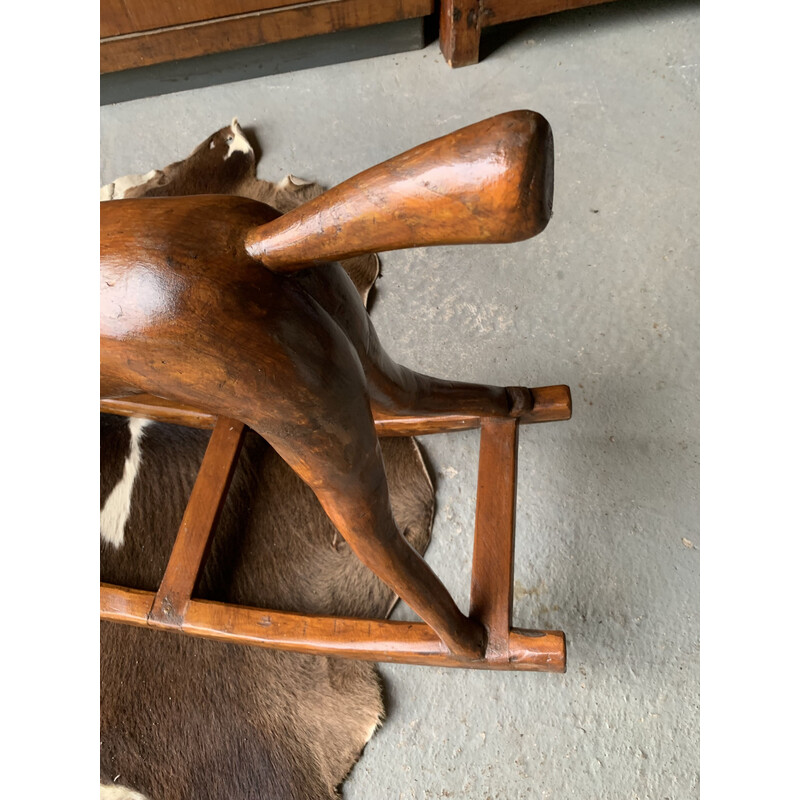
(198, 524)
(550, 404)
(491, 596)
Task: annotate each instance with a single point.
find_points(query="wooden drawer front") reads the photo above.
(273, 21)
(118, 17)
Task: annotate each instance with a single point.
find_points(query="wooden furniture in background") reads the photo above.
(461, 22)
(208, 302)
(139, 33)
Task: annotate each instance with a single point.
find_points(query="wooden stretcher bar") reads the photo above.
(172, 607)
(551, 404)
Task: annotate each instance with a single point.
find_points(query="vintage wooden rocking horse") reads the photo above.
(217, 311)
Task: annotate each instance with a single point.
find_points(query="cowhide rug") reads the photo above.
(193, 719)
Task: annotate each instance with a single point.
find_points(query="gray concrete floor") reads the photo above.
(606, 300)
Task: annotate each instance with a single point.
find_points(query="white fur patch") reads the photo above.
(237, 141)
(293, 180)
(110, 792)
(117, 189)
(117, 508)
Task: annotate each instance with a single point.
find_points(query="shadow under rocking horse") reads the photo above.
(222, 305)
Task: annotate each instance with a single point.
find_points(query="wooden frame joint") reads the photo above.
(491, 596)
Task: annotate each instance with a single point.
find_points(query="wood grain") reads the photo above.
(278, 24)
(158, 409)
(460, 31)
(120, 17)
(551, 404)
(345, 637)
(198, 524)
(491, 596)
(490, 182)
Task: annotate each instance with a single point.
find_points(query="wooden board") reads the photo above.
(119, 17)
(273, 22)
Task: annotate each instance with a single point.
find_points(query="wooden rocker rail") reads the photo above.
(491, 597)
(346, 637)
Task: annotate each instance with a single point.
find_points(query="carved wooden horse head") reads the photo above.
(222, 304)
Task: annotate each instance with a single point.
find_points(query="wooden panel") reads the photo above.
(119, 17)
(491, 596)
(363, 639)
(114, 18)
(252, 30)
(198, 523)
(498, 11)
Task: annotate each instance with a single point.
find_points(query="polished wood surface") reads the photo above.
(158, 409)
(491, 595)
(550, 404)
(148, 38)
(198, 524)
(206, 302)
(345, 637)
(489, 182)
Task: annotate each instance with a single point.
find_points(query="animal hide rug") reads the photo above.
(193, 719)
